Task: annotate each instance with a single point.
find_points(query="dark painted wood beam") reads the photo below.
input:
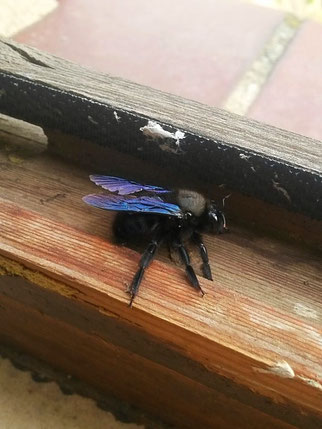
(210, 144)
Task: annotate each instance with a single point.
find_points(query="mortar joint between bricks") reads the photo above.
(254, 78)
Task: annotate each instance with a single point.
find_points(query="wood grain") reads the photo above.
(218, 147)
(247, 347)
(131, 370)
(252, 345)
(54, 188)
(118, 359)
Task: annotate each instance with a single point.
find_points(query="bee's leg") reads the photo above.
(145, 261)
(197, 239)
(178, 245)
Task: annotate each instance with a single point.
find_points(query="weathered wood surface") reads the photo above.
(262, 161)
(252, 344)
(122, 360)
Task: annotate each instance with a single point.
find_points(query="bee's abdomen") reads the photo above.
(132, 225)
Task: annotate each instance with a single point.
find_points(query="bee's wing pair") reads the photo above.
(124, 201)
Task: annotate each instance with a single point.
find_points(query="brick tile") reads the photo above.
(292, 98)
(194, 48)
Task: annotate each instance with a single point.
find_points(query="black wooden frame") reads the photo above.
(256, 159)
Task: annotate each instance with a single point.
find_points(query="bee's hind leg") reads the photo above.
(197, 239)
(178, 245)
(145, 261)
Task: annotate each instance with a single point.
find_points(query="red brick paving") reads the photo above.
(194, 48)
(292, 97)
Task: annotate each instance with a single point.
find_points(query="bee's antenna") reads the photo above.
(224, 220)
(223, 200)
(225, 229)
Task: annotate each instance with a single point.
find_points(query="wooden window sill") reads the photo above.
(248, 354)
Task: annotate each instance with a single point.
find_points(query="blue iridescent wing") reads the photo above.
(137, 205)
(123, 186)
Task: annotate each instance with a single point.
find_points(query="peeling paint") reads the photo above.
(280, 188)
(155, 131)
(116, 116)
(311, 382)
(244, 156)
(305, 311)
(280, 368)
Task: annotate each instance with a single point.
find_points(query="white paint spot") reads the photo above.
(116, 116)
(155, 131)
(311, 382)
(92, 120)
(244, 156)
(305, 311)
(280, 188)
(282, 369)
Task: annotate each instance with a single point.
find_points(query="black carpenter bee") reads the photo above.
(162, 215)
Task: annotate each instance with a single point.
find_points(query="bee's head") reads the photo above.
(216, 219)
